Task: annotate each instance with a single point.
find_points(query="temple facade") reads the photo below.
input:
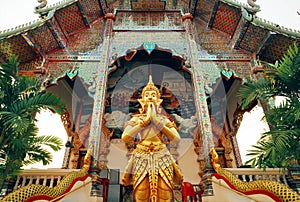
(97, 56)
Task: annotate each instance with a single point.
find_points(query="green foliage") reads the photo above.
(261, 89)
(281, 145)
(21, 98)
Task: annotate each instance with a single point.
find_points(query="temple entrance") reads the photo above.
(127, 77)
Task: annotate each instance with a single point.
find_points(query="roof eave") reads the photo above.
(25, 27)
(58, 5)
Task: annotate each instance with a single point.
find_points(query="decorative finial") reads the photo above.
(150, 86)
(87, 159)
(43, 4)
(215, 159)
(150, 79)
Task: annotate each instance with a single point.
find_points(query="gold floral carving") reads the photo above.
(224, 141)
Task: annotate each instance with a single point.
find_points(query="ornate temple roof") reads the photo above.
(58, 22)
(51, 32)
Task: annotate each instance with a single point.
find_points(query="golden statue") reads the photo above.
(151, 169)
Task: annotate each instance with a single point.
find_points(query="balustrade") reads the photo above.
(51, 177)
(47, 177)
(251, 174)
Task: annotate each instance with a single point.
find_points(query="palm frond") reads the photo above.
(288, 71)
(38, 154)
(255, 90)
(13, 121)
(11, 67)
(35, 103)
(53, 142)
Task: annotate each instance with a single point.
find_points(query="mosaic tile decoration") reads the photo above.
(92, 9)
(241, 69)
(43, 37)
(86, 70)
(82, 54)
(204, 9)
(223, 57)
(70, 18)
(159, 19)
(16, 45)
(227, 18)
(201, 105)
(57, 32)
(275, 46)
(212, 69)
(123, 41)
(215, 47)
(253, 38)
(239, 33)
(85, 43)
(200, 95)
(58, 70)
(215, 42)
(193, 6)
(31, 65)
(211, 41)
(100, 88)
(148, 4)
(210, 73)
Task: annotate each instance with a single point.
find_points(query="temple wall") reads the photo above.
(187, 161)
(117, 158)
(124, 41)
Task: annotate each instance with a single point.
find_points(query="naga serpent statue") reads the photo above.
(282, 192)
(25, 193)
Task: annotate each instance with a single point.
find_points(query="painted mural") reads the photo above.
(127, 79)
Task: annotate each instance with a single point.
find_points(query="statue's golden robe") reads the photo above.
(152, 161)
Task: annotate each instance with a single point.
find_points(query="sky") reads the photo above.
(282, 12)
(56, 128)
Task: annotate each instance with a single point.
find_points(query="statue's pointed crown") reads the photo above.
(150, 86)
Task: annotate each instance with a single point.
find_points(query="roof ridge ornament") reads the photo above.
(255, 7)
(272, 27)
(43, 4)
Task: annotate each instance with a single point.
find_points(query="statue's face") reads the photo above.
(150, 96)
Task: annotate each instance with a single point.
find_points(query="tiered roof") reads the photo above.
(32, 41)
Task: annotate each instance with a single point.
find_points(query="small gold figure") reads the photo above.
(151, 169)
